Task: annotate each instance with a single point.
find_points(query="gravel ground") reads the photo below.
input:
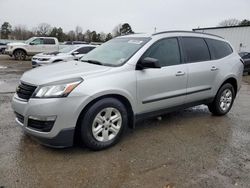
(190, 148)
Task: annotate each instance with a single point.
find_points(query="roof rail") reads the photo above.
(180, 31)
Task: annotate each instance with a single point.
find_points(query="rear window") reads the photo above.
(195, 49)
(218, 49)
(49, 41)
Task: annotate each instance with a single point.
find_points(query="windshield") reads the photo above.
(67, 49)
(116, 51)
(29, 40)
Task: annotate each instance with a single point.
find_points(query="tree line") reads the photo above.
(234, 22)
(21, 32)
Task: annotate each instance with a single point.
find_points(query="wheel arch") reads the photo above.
(57, 60)
(233, 81)
(121, 98)
(20, 49)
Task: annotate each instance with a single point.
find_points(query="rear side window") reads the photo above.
(218, 49)
(166, 51)
(49, 41)
(85, 50)
(195, 49)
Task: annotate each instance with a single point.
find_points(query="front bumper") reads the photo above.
(37, 63)
(66, 110)
(8, 52)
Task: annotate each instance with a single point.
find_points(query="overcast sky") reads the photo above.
(104, 15)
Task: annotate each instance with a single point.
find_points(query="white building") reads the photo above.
(238, 36)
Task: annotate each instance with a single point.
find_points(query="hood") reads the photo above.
(16, 44)
(51, 54)
(61, 71)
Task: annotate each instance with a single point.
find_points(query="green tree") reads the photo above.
(245, 23)
(5, 30)
(108, 37)
(58, 33)
(126, 29)
(94, 36)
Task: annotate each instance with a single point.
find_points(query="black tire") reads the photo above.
(248, 73)
(87, 136)
(20, 55)
(214, 107)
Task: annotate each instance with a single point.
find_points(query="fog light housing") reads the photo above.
(42, 124)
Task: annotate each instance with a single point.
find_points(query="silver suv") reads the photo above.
(124, 80)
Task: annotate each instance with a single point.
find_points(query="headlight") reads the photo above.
(59, 89)
(43, 59)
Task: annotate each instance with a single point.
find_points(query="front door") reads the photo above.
(160, 88)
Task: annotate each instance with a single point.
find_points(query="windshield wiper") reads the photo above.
(93, 62)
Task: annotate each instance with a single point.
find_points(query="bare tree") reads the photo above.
(20, 32)
(117, 30)
(71, 35)
(43, 29)
(102, 36)
(78, 33)
(229, 22)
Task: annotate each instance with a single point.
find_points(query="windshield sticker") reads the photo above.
(135, 41)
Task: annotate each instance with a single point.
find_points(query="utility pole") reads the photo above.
(155, 29)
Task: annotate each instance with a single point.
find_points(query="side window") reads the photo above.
(166, 51)
(218, 49)
(37, 41)
(195, 49)
(247, 56)
(85, 50)
(49, 41)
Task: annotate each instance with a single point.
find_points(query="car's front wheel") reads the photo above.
(19, 55)
(103, 124)
(223, 100)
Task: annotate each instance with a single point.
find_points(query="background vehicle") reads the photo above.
(246, 57)
(74, 42)
(32, 46)
(126, 79)
(72, 52)
(2, 47)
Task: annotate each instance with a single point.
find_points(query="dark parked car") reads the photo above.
(2, 47)
(246, 57)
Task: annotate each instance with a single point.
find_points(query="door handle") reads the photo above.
(180, 73)
(214, 68)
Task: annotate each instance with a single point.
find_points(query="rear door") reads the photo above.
(202, 72)
(49, 45)
(160, 88)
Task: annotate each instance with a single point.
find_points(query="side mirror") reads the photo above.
(75, 53)
(148, 62)
(31, 43)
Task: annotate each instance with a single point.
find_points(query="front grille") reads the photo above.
(25, 91)
(38, 125)
(19, 117)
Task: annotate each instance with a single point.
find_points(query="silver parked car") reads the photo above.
(124, 80)
(72, 52)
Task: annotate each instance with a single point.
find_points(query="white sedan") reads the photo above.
(73, 52)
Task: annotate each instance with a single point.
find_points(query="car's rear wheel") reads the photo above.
(19, 55)
(223, 101)
(103, 124)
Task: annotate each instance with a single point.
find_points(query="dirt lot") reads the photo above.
(190, 148)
